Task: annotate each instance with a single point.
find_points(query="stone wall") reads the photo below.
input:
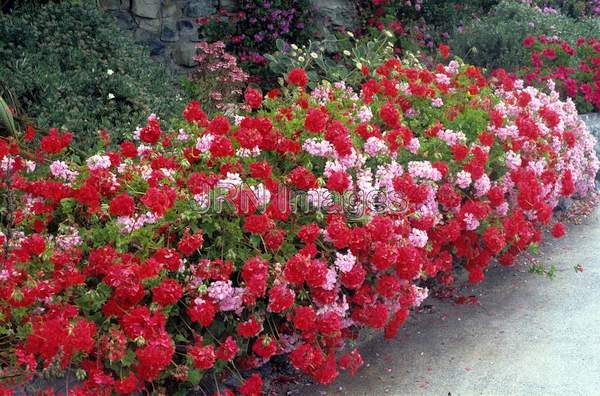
(167, 26)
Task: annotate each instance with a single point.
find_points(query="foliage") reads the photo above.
(10, 5)
(494, 40)
(282, 231)
(69, 66)
(337, 57)
(575, 70)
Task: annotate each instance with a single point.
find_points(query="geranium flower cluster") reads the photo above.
(282, 231)
(575, 70)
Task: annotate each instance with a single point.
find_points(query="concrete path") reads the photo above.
(528, 334)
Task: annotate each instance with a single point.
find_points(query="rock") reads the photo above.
(146, 8)
(229, 5)
(125, 20)
(169, 32)
(184, 54)
(125, 4)
(199, 8)
(110, 4)
(144, 36)
(187, 30)
(170, 9)
(564, 203)
(337, 12)
(156, 47)
(592, 121)
(151, 25)
(151, 41)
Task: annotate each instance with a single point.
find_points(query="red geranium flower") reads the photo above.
(253, 98)
(297, 77)
(55, 141)
(167, 292)
(189, 244)
(257, 224)
(228, 349)
(302, 178)
(122, 205)
(280, 298)
(529, 41)
(558, 230)
(316, 120)
(351, 361)
(219, 125)
(249, 328)
(444, 51)
(194, 114)
(203, 357)
(203, 312)
(252, 386)
(151, 132)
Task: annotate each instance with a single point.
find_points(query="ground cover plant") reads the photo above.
(69, 66)
(208, 248)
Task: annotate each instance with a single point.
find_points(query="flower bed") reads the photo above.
(284, 231)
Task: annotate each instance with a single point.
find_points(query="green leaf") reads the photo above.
(6, 118)
(280, 44)
(194, 376)
(128, 359)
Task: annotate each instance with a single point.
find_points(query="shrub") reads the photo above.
(217, 82)
(70, 66)
(223, 244)
(494, 41)
(575, 70)
(571, 8)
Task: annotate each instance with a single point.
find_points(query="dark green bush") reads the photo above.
(496, 40)
(55, 59)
